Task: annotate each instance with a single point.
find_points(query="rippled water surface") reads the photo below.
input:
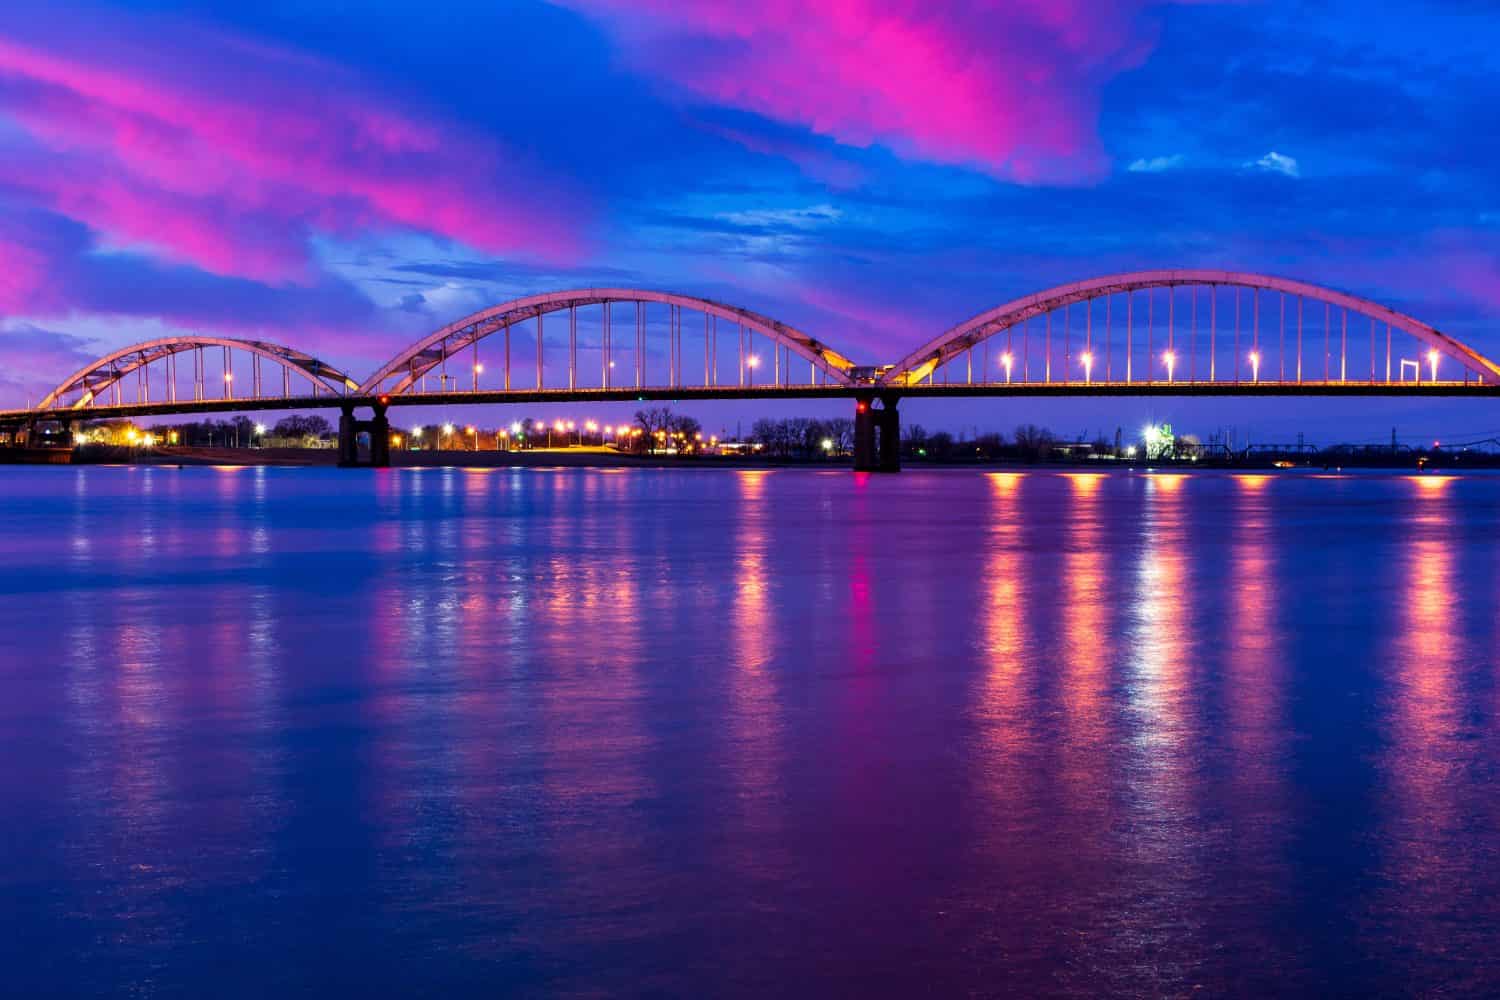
(270, 732)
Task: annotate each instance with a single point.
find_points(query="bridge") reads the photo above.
(1156, 333)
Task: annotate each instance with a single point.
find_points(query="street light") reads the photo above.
(1087, 358)
(1009, 361)
(478, 368)
(1432, 359)
(1255, 366)
(447, 432)
(473, 434)
(1170, 357)
(259, 431)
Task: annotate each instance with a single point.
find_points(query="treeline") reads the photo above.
(803, 437)
(806, 437)
(1029, 443)
(234, 432)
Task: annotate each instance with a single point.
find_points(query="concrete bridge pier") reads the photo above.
(877, 433)
(379, 429)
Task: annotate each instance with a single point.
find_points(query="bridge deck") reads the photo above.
(1160, 388)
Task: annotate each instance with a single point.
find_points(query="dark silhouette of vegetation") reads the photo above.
(803, 437)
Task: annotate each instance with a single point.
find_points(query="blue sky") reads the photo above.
(873, 171)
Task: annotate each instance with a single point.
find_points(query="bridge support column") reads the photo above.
(380, 439)
(379, 429)
(877, 434)
(890, 436)
(348, 438)
(864, 434)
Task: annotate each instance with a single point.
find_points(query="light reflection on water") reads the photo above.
(701, 732)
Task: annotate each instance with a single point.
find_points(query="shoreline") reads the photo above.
(589, 458)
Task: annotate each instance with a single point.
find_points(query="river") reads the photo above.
(520, 732)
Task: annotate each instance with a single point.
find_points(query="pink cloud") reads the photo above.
(235, 162)
(1011, 88)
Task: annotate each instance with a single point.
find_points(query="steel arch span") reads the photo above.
(95, 378)
(952, 343)
(408, 367)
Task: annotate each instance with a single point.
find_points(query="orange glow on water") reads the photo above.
(1089, 643)
(1084, 482)
(1431, 484)
(1006, 482)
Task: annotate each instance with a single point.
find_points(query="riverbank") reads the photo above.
(591, 457)
(539, 457)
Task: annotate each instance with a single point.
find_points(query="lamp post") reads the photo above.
(1255, 366)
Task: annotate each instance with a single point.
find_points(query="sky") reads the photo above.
(346, 178)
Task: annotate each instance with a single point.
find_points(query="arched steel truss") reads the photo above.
(85, 387)
(955, 341)
(97, 377)
(408, 367)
